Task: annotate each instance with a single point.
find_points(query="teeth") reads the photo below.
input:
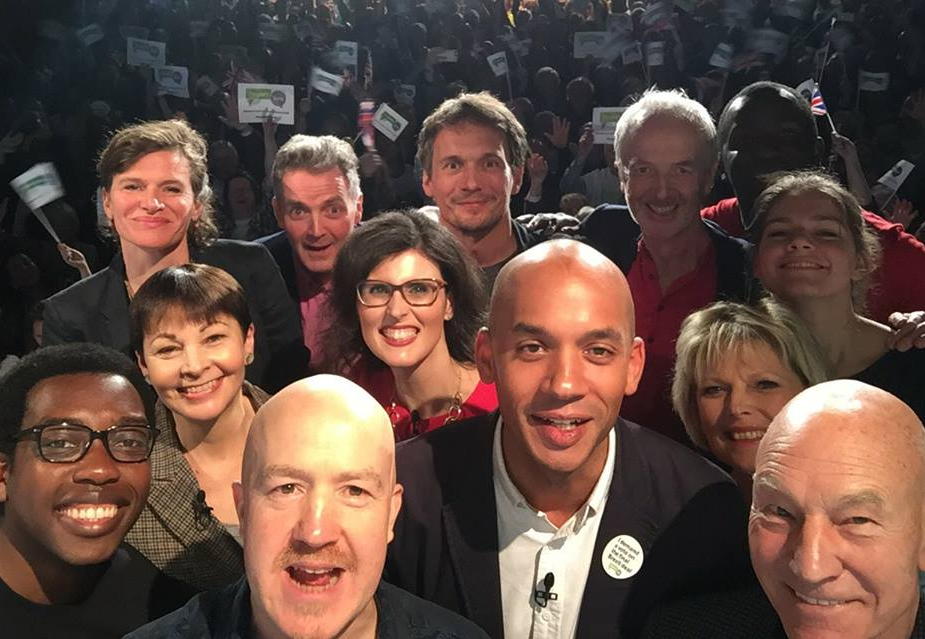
(91, 513)
(399, 333)
(201, 388)
(662, 209)
(564, 424)
(802, 265)
(752, 434)
(818, 602)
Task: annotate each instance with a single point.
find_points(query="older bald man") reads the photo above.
(836, 526)
(554, 517)
(316, 502)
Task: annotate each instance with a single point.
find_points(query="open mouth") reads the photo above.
(90, 513)
(314, 579)
(399, 336)
(814, 601)
(802, 266)
(317, 249)
(200, 390)
(559, 432)
(662, 210)
(746, 435)
(89, 520)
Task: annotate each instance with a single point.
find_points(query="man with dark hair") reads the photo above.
(768, 127)
(554, 517)
(68, 501)
(473, 151)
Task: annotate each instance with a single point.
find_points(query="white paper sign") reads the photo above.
(405, 93)
(805, 89)
(90, 34)
(894, 178)
(140, 52)
(498, 63)
(256, 102)
(389, 122)
(655, 54)
(590, 43)
(632, 54)
(604, 123)
(346, 52)
(273, 31)
(326, 82)
(172, 81)
(38, 186)
(768, 41)
(439, 54)
(873, 82)
(722, 56)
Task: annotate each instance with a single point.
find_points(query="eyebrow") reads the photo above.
(203, 328)
(596, 334)
(294, 472)
(137, 419)
(869, 498)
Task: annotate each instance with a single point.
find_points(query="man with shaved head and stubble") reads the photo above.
(836, 526)
(554, 517)
(317, 502)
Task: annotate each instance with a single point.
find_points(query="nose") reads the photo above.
(314, 225)
(97, 466)
(397, 306)
(152, 203)
(739, 401)
(193, 362)
(470, 178)
(566, 376)
(318, 523)
(800, 241)
(814, 559)
(663, 185)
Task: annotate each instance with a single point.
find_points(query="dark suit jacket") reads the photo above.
(96, 310)
(686, 513)
(281, 250)
(611, 230)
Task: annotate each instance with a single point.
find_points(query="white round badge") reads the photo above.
(622, 557)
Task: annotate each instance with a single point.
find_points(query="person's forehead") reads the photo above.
(303, 179)
(664, 136)
(95, 399)
(171, 160)
(471, 138)
(807, 205)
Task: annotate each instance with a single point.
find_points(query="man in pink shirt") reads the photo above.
(317, 202)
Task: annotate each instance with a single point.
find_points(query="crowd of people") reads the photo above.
(506, 373)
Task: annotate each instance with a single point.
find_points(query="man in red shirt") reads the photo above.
(768, 127)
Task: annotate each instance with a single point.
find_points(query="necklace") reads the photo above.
(452, 414)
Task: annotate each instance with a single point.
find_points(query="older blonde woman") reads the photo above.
(736, 367)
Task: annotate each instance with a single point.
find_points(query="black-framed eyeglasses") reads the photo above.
(421, 292)
(64, 443)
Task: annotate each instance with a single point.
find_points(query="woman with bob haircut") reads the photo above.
(192, 334)
(155, 194)
(735, 368)
(407, 302)
(815, 253)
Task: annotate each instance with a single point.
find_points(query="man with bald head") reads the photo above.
(317, 502)
(836, 526)
(554, 517)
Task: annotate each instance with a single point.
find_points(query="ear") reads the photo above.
(237, 492)
(427, 185)
(394, 508)
(710, 178)
(517, 173)
(140, 358)
(249, 340)
(4, 475)
(198, 208)
(634, 365)
(107, 204)
(621, 176)
(359, 213)
(277, 211)
(483, 356)
(448, 312)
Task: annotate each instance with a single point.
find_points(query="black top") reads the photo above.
(524, 238)
(226, 614)
(96, 310)
(901, 374)
(130, 593)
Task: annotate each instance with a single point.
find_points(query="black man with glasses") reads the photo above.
(75, 438)
(407, 301)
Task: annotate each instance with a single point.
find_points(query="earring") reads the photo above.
(249, 359)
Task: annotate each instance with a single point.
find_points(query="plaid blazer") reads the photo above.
(176, 530)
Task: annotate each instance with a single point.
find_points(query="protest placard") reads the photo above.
(145, 52)
(326, 82)
(258, 102)
(604, 123)
(90, 34)
(172, 81)
(589, 43)
(439, 55)
(38, 186)
(498, 63)
(722, 56)
(655, 54)
(389, 122)
(886, 187)
(345, 52)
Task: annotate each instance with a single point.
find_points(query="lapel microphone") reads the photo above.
(202, 511)
(543, 597)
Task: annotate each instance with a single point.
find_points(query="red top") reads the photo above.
(658, 322)
(380, 384)
(899, 283)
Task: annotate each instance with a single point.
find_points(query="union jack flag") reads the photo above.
(816, 103)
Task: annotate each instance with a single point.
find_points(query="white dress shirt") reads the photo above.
(531, 547)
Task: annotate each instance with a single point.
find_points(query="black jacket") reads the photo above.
(96, 310)
(686, 513)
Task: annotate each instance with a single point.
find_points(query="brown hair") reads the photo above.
(474, 108)
(866, 245)
(201, 292)
(131, 143)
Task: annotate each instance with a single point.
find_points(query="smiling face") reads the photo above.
(738, 397)
(197, 369)
(317, 211)
(317, 509)
(151, 204)
(562, 362)
(665, 176)
(471, 180)
(805, 250)
(836, 524)
(399, 334)
(74, 513)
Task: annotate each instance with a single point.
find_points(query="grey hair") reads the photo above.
(315, 154)
(673, 103)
